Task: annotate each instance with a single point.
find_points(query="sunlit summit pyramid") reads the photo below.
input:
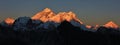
(44, 15)
(111, 24)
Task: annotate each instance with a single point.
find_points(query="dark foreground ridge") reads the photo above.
(50, 33)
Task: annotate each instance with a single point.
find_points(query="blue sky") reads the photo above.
(91, 12)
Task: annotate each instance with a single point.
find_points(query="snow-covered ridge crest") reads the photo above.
(48, 15)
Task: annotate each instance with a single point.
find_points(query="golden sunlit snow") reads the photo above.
(9, 21)
(111, 24)
(48, 15)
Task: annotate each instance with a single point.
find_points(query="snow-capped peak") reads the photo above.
(47, 10)
(44, 15)
(9, 21)
(111, 24)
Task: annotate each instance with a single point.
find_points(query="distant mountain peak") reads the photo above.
(111, 24)
(47, 10)
(9, 21)
(44, 15)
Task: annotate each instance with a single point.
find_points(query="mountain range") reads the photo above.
(44, 18)
(64, 28)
